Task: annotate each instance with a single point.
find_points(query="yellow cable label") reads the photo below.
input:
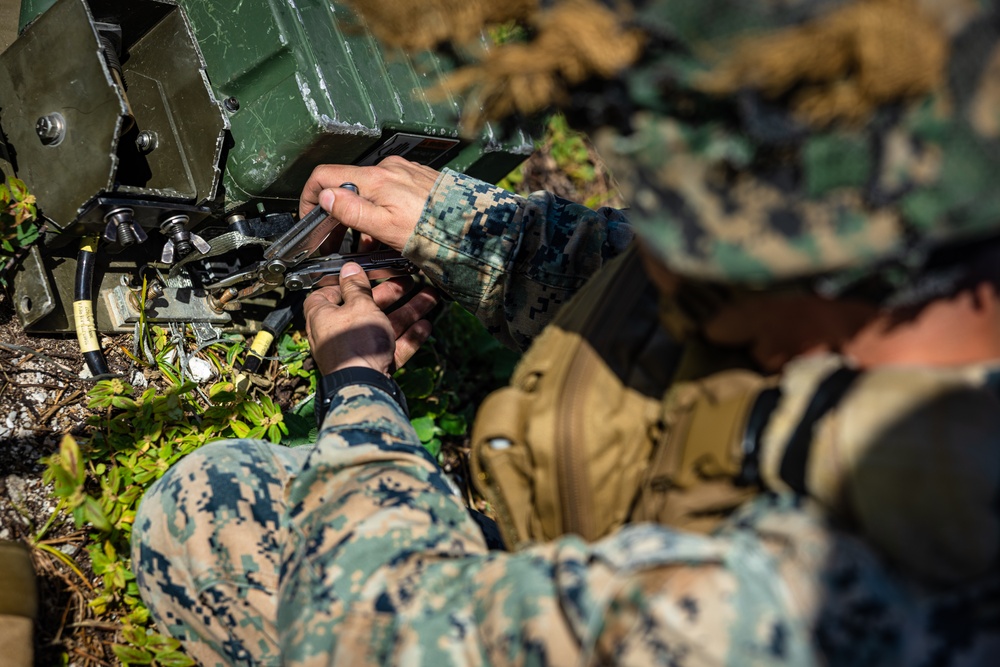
(86, 331)
(261, 343)
(89, 243)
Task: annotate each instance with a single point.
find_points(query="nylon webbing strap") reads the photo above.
(795, 462)
(220, 245)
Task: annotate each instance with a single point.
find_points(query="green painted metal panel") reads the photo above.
(30, 10)
(313, 86)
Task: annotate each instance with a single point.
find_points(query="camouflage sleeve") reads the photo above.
(511, 260)
(383, 565)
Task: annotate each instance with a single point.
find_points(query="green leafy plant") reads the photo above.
(569, 149)
(18, 226)
(564, 162)
(100, 481)
(293, 350)
(446, 379)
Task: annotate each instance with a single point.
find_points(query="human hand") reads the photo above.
(392, 197)
(347, 328)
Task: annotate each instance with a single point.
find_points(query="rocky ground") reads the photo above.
(42, 397)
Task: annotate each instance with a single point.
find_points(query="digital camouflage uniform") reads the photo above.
(358, 550)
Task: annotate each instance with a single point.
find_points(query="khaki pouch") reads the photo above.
(18, 605)
(563, 449)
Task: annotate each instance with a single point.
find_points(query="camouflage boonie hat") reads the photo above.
(783, 140)
(759, 141)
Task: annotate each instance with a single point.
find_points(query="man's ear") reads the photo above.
(985, 298)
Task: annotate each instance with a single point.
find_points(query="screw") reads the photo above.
(219, 304)
(126, 236)
(122, 218)
(174, 227)
(231, 104)
(51, 129)
(146, 141)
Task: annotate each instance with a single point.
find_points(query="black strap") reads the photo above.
(760, 414)
(796, 459)
(332, 382)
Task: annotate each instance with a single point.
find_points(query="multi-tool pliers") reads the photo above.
(287, 262)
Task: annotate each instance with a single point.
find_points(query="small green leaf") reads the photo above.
(417, 383)
(96, 516)
(240, 429)
(18, 189)
(453, 424)
(301, 430)
(222, 392)
(174, 659)
(433, 447)
(161, 644)
(253, 412)
(123, 403)
(132, 655)
(136, 637)
(139, 615)
(425, 427)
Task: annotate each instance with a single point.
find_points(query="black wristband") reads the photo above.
(330, 383)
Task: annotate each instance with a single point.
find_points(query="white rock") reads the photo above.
(200, 370)
(139, 380)
(17, 489)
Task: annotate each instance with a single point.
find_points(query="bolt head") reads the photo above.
(146, 141)
(51, 129)
(231, 104)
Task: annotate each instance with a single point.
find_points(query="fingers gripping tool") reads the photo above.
(287, 262)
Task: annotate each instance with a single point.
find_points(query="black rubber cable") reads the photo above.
(83, 308)
(271, 328)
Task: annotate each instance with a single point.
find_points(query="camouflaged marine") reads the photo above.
(836, 154)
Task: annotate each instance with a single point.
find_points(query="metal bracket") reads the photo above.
(33, 297)
(177, 304)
